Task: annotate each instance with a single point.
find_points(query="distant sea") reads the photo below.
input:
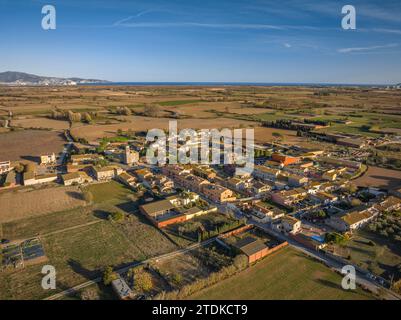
(219, 84)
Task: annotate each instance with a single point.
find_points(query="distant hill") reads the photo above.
(21, 78)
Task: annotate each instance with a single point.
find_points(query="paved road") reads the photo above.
(126, 268)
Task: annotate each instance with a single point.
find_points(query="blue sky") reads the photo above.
(220, 40)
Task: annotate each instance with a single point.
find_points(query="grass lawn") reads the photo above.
(109, 192)
(287, 274)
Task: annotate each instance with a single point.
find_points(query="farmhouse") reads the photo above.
(106, 173)
(288, 198)
(31, 179)
(204, 172)
(75, 178)
(266, 173)
(260, 188)
(183, 199)
(143, 174)
(290, 224)
(127, 179)
(193, 182)
(324, 197)
(296, 180)
(48, 159)
(265, 213)
(218, 193)
(353, 220)
(5, 166)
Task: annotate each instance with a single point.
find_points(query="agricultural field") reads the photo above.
(28, 145)
(140, 123)
(40, 123)
(230, 107)
(48, 223)
(188, 267)
(288, 275)
(29, 202)
(380, 177)
(80, 245)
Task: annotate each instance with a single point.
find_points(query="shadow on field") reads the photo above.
(75, 195)
(329, 283)
(101, 214)
(31, 158)
(78, 268)
(128, 207)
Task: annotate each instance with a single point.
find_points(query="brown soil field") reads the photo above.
(137, 123)
(185, 265)
(380, 177)
(249, 111)
(25, 145)
(40, 123)
(26, 203)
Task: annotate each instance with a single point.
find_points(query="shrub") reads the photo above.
(143, 281)
(116, 216)
(109, 275)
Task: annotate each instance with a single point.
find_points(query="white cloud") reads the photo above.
(358, 49)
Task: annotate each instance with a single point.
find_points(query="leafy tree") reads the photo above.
(89, 294)
(19, 168)
(152, 110)
(87, 117)
(143, 282)
(109, 275)
(277, 135)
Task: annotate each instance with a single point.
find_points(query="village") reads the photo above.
(301, 197)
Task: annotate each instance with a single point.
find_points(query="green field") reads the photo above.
(177, 102)
(287, 274)
(109, 192)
